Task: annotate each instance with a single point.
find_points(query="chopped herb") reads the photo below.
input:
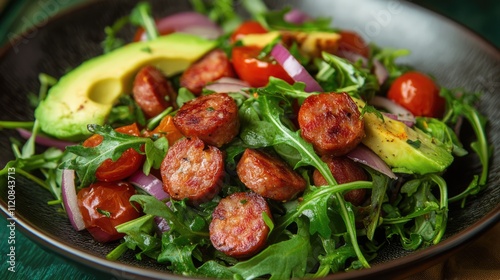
(104, 212)
(415, 144)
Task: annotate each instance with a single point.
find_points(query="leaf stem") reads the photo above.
(16, 124)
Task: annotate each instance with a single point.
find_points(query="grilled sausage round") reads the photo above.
(237, 228)
(152, 91)
(269, 176)
(209, 68)
(192, 170)
(331, 122)
(344, 170)
(212, 118)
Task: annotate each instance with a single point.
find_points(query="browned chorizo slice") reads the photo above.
(192, 170)
(209, 68)
(152, 91)
(213, 118)
(238, 228)
(344, 170)
(331, 122)
(269, 176)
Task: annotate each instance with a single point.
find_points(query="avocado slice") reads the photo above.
(86, 94)
(404, 149)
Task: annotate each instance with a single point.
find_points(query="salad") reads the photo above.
(222, 147)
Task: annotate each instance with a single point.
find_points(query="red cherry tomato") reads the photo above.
(256, 71)
(352, 42)
(247, 27)
(418, 94)
(105, 205)
(129, 162)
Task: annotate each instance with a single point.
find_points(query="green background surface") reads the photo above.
(33, 262)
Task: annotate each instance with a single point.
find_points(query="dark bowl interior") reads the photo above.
(444, 49)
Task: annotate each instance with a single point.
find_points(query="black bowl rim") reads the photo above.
(423, 258)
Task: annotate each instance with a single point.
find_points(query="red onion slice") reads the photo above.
(293, 67)
(392, 107)
(149, 183)
(380, 71)
(367, 157)
(189, 22)
(230, 80)
(44, 140)
(70, 201)
(296, 16)
(153, 186)
(225, 88)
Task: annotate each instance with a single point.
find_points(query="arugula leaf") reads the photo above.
(112, 41)
(334, 258)
(46, 81)
(439, 130)
(339, 75)
(255, 7)
(426, 215)
(155, 152)
(220, 12)
(141, 16)
(184, 95)
(314, 206)
(177, 221)
(284, 260)
(125, 112)
(462, 104)
(46, 162)
(272, 112)
(295, 91)
(388, 57)
(88, 159)
(180, 258)
(275, 20)
(378, 196)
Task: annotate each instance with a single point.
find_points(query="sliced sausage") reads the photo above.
(152, 91)
(344, 170)
(331, 122)
(212, 118)
(192, 170)
(269, 176)
(237, 228)
(209, 68)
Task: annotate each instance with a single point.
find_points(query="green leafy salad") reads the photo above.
(336, 148)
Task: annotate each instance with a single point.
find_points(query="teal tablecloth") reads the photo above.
(33, 262)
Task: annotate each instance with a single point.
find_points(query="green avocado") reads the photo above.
(86, 94)
(404, 149)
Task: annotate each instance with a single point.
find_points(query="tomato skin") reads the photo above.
(417, 93)
(256, 71)
(101, 198)
(247, 27)
(352, 42)
(129, 162)
(167, 129)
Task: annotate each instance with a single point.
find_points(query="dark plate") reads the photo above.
(451, 53)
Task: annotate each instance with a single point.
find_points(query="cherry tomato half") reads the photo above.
(352, 42)
(256, 71)
(129, 162)
(247, 27)
(105, 205)
(167, 129)
(418, 94)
